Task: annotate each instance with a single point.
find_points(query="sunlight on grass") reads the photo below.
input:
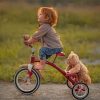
(79, 30)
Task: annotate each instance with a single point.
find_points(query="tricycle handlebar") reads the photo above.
(26, 37)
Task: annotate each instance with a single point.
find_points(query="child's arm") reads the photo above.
(43, 29)
(30, 41)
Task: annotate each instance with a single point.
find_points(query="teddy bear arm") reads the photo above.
(75, 69)
(68, 68)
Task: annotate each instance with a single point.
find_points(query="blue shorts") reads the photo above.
(45, 52)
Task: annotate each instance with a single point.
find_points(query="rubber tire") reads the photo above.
(37, 84)
(82, 97)
(67, 82)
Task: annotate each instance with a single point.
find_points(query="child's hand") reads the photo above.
(28, 41)
(26, 37)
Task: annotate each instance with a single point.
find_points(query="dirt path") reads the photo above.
(45, 92)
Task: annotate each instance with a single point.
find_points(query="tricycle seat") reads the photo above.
(60, 54)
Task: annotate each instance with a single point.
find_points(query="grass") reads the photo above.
(79, 29)
(94, 73)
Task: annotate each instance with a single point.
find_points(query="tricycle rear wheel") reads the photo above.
(80, 90)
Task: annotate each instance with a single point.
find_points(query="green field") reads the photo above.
(79, 28)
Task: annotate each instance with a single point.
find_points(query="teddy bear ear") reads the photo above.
(72, 51)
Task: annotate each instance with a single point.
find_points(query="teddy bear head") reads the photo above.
(72, 59)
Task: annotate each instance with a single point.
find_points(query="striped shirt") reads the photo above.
(48, 36)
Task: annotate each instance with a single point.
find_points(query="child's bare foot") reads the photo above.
(39, 66)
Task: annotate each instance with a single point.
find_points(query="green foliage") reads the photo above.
(94, 73)
(79, 16)
(79, 29)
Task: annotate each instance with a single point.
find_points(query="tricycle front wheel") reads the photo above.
(24, 83)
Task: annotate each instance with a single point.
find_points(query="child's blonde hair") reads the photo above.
(50, 13)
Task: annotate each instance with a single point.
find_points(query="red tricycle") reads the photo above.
(27, 78)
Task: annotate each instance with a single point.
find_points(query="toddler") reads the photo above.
(46, 35)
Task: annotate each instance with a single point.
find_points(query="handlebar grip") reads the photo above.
(27, 44)
(30, 45)
(26, 37)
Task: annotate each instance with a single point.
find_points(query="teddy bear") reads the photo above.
(75, 66)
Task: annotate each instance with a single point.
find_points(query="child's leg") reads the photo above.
(42, 53)
(40, 65)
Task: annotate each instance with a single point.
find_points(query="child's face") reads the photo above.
(41, 18)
